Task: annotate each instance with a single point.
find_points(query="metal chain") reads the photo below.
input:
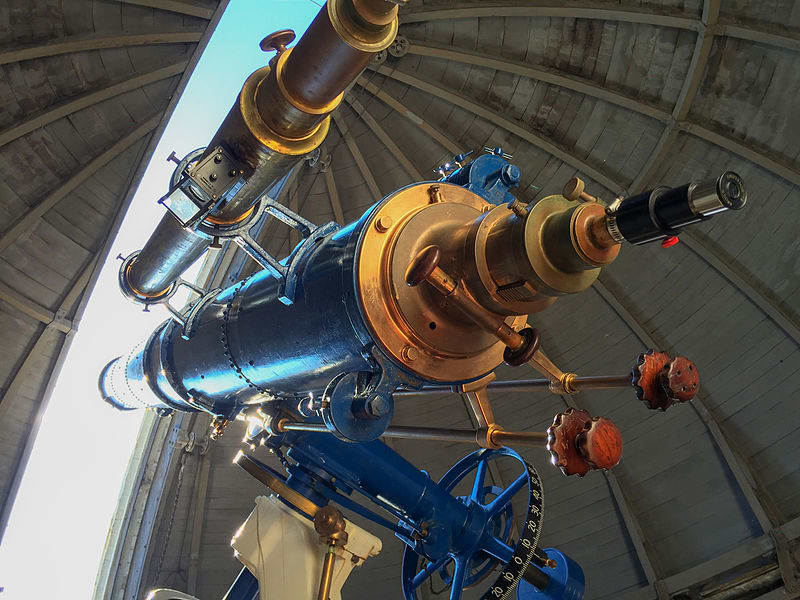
(171, 521)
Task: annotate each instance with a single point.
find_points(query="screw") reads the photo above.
(213, 177)
(383, 223)
(233, 172)
(409, 353)
(218, 158)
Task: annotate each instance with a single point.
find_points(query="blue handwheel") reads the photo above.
(468, 569)
(566, 580)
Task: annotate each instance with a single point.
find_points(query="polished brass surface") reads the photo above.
(501, 437)
(276, 485)
(574, 190)
(573, 382)
(446, 346)
(590, 239)
(268, 154)
(349, 19)
(545, 366)
(481, 407)
(233, 220)
(540, 257)
(492, 436)
(377, 12)
(509, 295)
(326, 577)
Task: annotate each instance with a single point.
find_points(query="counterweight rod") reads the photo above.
(467, 436)
(327, 575)
(529, 385)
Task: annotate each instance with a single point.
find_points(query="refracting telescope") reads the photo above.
(429, 291)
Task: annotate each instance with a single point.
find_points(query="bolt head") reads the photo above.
(383, 223)
(379, 406)
(410, 353)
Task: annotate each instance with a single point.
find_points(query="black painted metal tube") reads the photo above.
(536, 577)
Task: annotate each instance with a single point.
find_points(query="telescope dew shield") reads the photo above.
(663, 211)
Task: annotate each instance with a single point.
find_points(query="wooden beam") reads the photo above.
(29, 219)
(445, 142)
(96, 42)
(675, 122)
(641, 546)
(536, 8)
(758, 499)
(355, 151)
(776, 37)
(512, 126)
(333, 194)
(64, 109)
(694, 75)
(634, 529)
(183, 8)
(656, 159)
(42, 345)
(384, 137)
(34, 309)
(722, 265)
(773, 36)
(790, 172)
(198, 520)
(551, 76)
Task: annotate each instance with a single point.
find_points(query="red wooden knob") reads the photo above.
(681, 379)
(601, 444)
(578, 443)
(661, 381)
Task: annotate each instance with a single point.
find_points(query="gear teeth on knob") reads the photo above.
(561, 438)
(661, 381)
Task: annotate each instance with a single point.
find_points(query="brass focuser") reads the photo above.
(495, 264)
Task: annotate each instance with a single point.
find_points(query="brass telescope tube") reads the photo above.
(281, 114)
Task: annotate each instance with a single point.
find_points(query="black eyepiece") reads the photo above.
(663, 211)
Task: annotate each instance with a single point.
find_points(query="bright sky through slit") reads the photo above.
(58, 525)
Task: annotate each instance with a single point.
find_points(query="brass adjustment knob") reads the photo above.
(277, 42)
(574, 190)
(423, 265)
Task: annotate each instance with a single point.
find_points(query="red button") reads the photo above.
(669, 241)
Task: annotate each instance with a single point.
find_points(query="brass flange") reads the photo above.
(344, 18)
(416, 326)
(262, 132)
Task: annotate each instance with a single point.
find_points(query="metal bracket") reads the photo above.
(286, 273)
(199, 188)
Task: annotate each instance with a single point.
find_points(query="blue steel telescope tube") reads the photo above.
(310, 350)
